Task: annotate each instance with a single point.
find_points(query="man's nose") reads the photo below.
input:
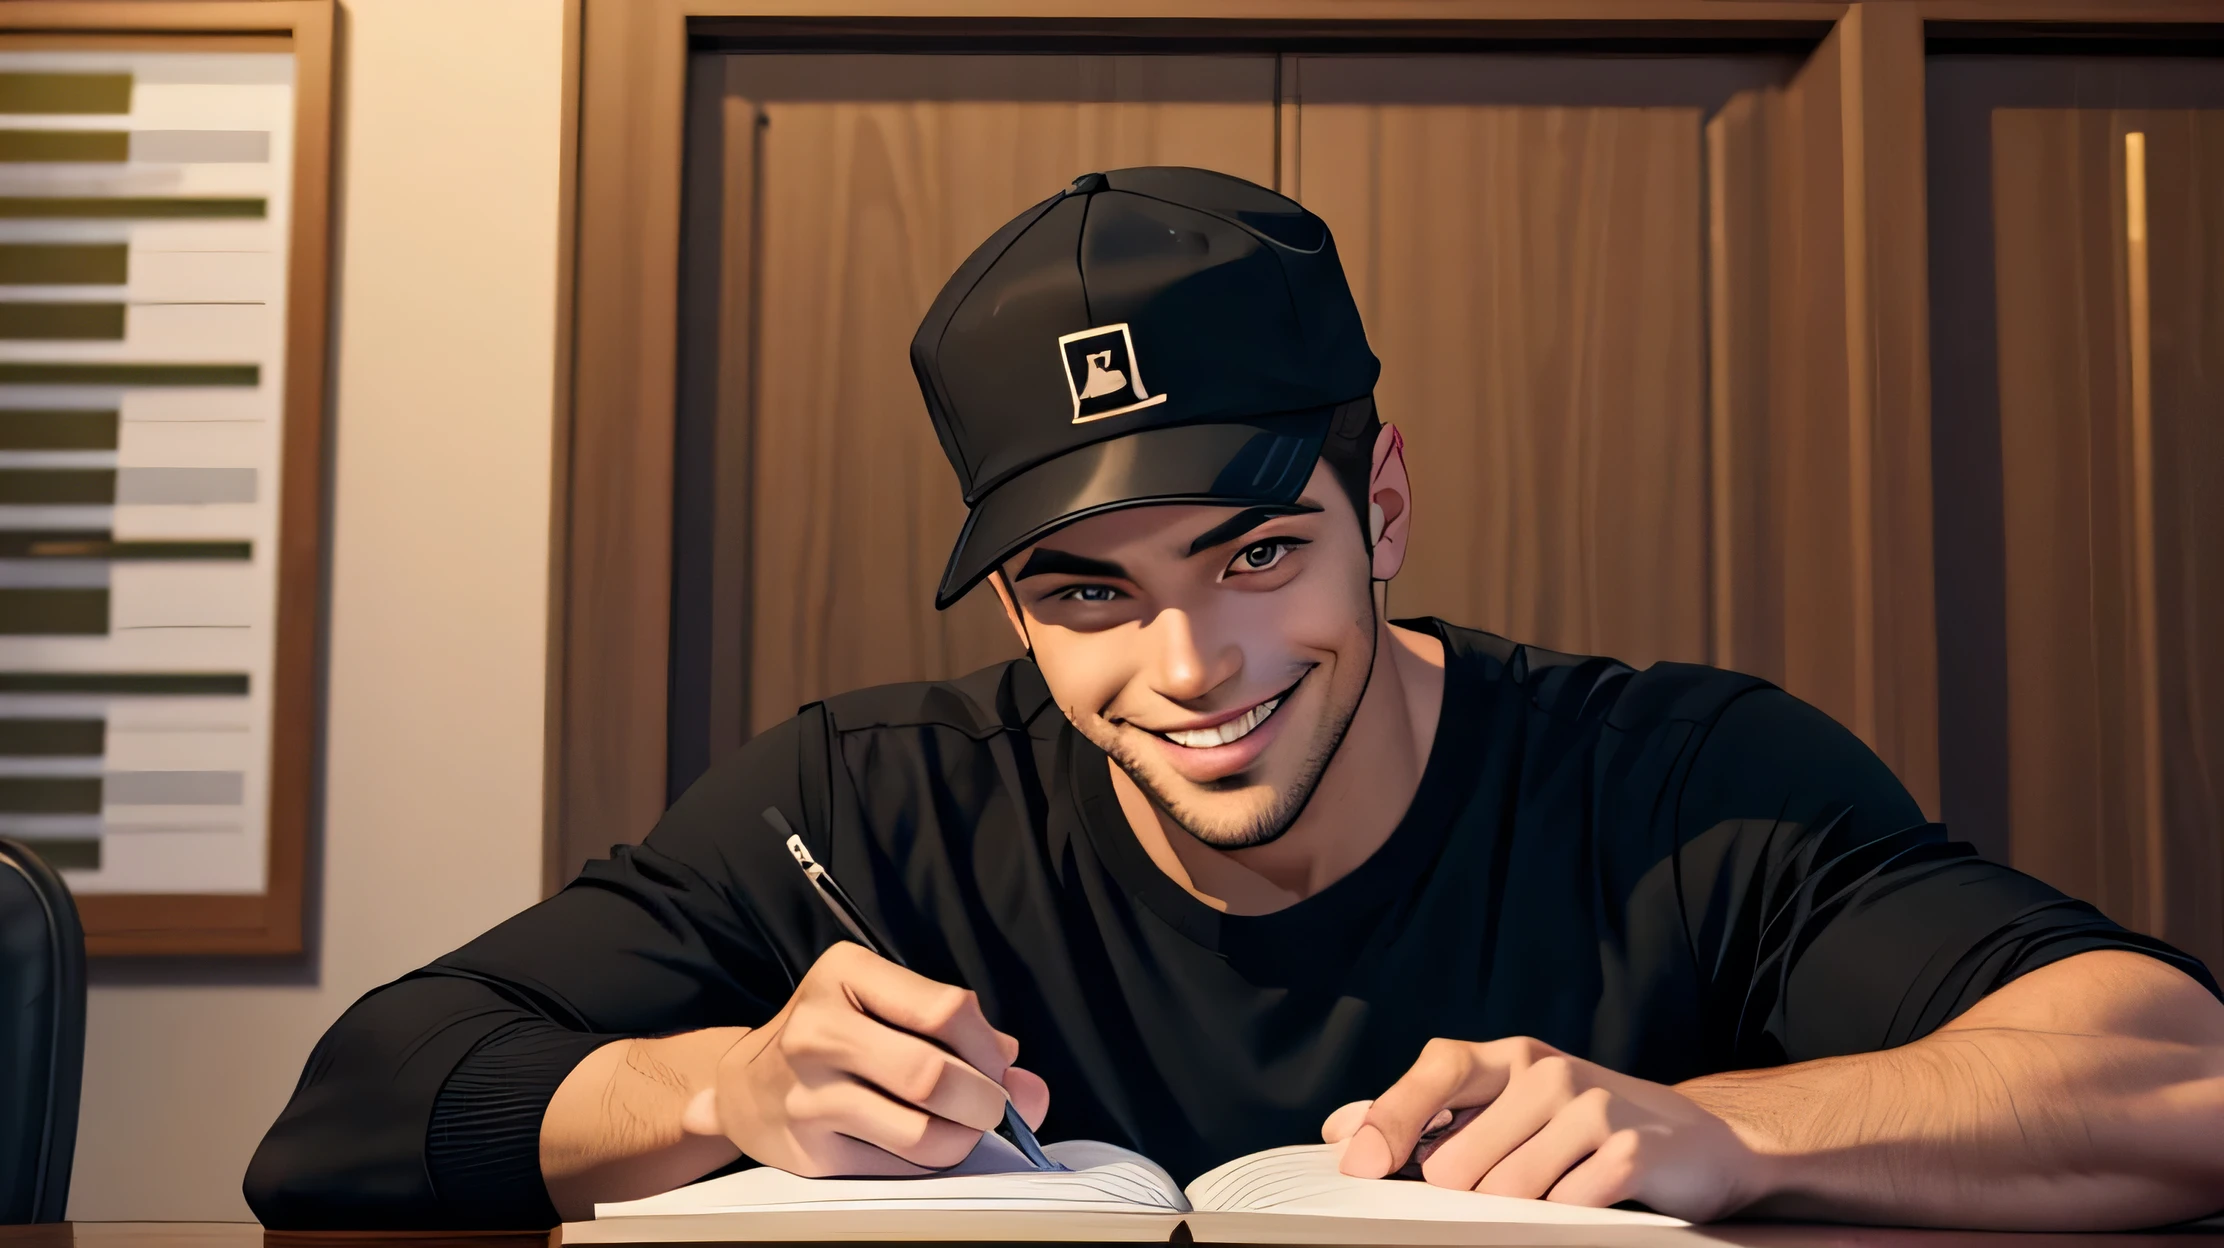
(1189, 664)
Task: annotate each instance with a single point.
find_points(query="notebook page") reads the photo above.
(1303, 1179)
(1103, 1178)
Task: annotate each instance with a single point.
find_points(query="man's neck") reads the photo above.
(1357, 805)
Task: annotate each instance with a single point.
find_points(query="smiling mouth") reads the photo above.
(1228, 733)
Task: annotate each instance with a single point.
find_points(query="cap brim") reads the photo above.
(1263, 462)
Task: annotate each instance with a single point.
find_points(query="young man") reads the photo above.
(1232, 861)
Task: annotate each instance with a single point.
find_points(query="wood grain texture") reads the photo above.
(142, 18)
(710, 479)
(1808, 387)
(2074, 738)
(1820, 390)
(269, 922)
(740, 301)
(879, 175)
(2185, 229)
(616, 439)
(1531, 278)
(2082, 638)
(1289, 123)
(1889, 429)
(1746, 543)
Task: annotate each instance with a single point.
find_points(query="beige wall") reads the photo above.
(444, 316)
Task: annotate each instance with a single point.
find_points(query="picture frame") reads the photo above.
(279, 606)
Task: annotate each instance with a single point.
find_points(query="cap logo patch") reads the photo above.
(1102, 375)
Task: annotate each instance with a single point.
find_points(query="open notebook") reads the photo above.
(1110, 1193)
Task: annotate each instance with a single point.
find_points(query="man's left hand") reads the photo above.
(1517, 1117)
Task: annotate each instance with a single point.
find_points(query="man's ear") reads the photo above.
(1003, 589)
(1390, 504)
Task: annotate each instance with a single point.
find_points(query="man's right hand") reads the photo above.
(868, 1069)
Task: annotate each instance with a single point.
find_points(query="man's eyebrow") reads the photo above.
(1243, 522)
(1045, 562)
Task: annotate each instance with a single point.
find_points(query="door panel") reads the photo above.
(1620, 318)
(1532, 279)
(876, 177)
(2185, 232)
(1819, 420)
(2111, 373)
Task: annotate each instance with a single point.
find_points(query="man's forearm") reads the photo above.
(612, 1131)
(1993, 1124)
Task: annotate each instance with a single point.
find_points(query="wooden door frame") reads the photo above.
(611, 527)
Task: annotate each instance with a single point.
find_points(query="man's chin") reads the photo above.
(1239, 812)
(1223, 837)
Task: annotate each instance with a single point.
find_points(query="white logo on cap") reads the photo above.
(1102, 374)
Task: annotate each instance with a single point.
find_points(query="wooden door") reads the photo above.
(1606, 364)
(2092, 377)
(1818, 390)
(1626, 316)
(1532, 276)
(848, 189)
(2111, 320)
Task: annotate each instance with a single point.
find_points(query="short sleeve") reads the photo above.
(1828, 916)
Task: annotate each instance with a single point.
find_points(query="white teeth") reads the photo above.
(1221, 734)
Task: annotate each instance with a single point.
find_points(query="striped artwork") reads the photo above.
(143, 242)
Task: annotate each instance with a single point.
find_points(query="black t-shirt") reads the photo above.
(1671, 873)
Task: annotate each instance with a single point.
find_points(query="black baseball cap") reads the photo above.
(1150, 335)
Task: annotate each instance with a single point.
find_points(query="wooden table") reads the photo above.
(1739, 1235)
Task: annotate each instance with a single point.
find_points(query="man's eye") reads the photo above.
(1089, 593)
(1259, 556)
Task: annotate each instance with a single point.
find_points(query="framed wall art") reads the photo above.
(163, 238)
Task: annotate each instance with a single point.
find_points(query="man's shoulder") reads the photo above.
(1609, 747)
(1000, 698)
(1617, 696)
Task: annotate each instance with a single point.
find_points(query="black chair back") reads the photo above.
(42, 1037)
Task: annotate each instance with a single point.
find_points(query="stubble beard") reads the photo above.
(1269, 822)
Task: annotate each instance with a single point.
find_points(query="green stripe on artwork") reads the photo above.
(65, 93)
(154, 551)
(46, 612)
(57, 429)
(151, 684)
(100, 544)
(50, 795)
(57, 487)
(105, 147)
(22, 321)
(71, 855)
(122, 207)
(102, 374)
(53, 738)
(64, 264)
